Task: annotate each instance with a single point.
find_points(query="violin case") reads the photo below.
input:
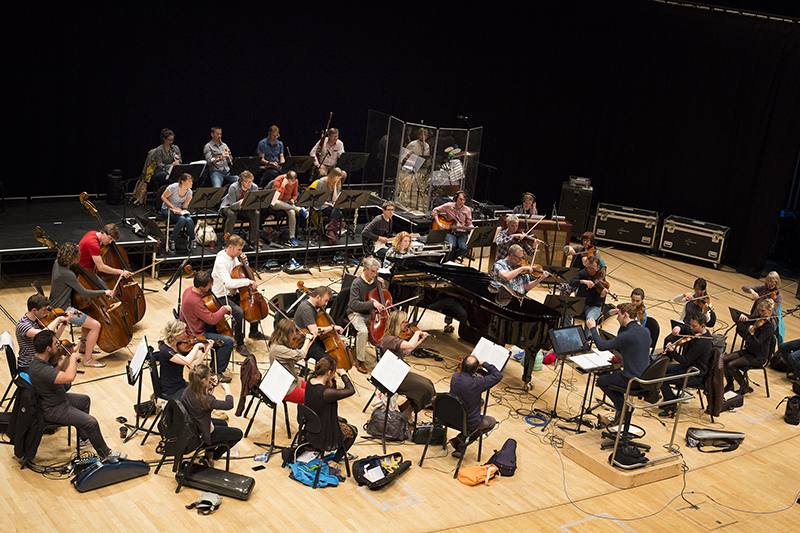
(626, 225)
(724, 441)
(109, 471)
(693, 238)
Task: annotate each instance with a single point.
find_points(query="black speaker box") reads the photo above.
(574, 206)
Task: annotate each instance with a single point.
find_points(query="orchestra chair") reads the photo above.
(13, 371)
(159, 400)
(309, 423)
(655, 330)
(279, 216)
(745, 369)
(316, 218)
(157, 210)
(449, 411)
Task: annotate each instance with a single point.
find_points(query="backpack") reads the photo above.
(389, 468)
(476, 475)
(792, 415)
(396, 425)
(505, 459)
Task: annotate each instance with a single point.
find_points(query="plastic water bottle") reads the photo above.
(537, 363)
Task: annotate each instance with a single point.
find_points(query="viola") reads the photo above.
(377, 320)
(129, 292)
(334, 345)
(251, 300)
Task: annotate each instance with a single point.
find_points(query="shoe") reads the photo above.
(222, 378)
(669, 412)
(332, 231)
(303, 212)
(114, 453)
(745, 389)
(84, 444)
(728, 386)
(351, 457)
(191, 245)
(242, 349)
(361, 367)
(457, 453)
(603, 422)
(258, 336)
(293, 242)
(92, 363)
(171, 246)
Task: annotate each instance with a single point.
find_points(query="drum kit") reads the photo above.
(452, 171)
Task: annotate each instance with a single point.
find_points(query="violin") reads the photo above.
(684, 340)
(760, 322)
(334, 345)
(129, 292)
(600, 284)
(377, 320)
(64, 349)
(702, 301)
(251, 300)
(640, 313)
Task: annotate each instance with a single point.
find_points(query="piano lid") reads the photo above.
(476, 285)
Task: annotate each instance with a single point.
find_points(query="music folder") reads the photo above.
(390, 371)
(489, 352)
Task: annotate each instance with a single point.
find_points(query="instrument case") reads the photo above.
(108, 472)
(212, 480)
(626, 225)
(693, 238)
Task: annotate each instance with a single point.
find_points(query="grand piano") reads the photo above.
(523, 322)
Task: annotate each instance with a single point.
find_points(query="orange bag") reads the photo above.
(475, 475)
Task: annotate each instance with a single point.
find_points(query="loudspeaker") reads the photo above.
(574, 206)
(114, 196)
(108, 472)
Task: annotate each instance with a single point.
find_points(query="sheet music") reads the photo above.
(414, 162)
(491, 353)
(592, 360)
(277, 383)
(138, 360)
(391, 371)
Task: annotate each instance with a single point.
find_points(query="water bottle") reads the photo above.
(537, 363)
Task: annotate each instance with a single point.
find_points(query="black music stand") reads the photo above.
(566, 341)
(195, 169)
(558, 272)
(259, 392)
(481, 237)
(240, 164)
(150, 229)
(566, 305)
(204, 198)
(350, 200)
(133, 369)
(258, 200)
(353, 161)
(312, 199)
(300, 164)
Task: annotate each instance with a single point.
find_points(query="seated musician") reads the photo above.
(90, 244)
(172, 357)
(790, 351)
(167, 154)
(218, 157)
(693, 307)
(770, 289)
(696, 353)
(306, 318)
(322, 396)
(633, 342)
(200, 320)
(358, 311)
(226, 290)
(174, 202)
(418, 390)
(270, 150)
(584, 251)
(378, 231)
(332, 182)
(461, 215)
(401, 246)
(199, 400)
(30, 324)
(281, 350)
(587, 282)
(59, 406)
(287, 186)
(231, 204)
(469, 385)
(756, 346)
(508, 236)
(637, 299)
(62, 285)
(527, 207)
(511, 273)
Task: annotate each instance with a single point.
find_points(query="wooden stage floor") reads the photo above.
(749, 489)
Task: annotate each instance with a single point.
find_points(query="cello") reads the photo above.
(377, 320)
(251, 300)
(129, 292)
(223, 328)
(334, 345)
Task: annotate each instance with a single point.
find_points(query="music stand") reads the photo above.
(258, 200)
(566, 341)
(300, 164)
(272, 389)
(387, 376)
(206, 197)
(566, 305)
(558, 272)
(133, 370)
(311, 199)
(481, 237)
(353, 161)
(195, 169)
(240, 164)
(150, 228)
(350, 200)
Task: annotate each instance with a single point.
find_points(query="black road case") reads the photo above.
(693, 238)
(626, 225)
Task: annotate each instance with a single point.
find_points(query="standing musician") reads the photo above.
(59, 406)
(332, 182)
(637, 299)
(418, 390)
(413, 186)
(585, 250)
(693, 307)
(280, 349)
(510, 235)
(166, 155)
(528, 206)
(756, 346)
(174, 201)
(379, 230)
(696, 353)
(90, 244)
(401, 246)
(511, 273)
(330, 153)
(200, 320)
(30, 324)
(63, 283)
(226, 289)
(231, 206)
(586, 281)
(770, 289)
(358, 311)
(306, 318)
(270, 150)
(461, 215)
(173, 357)
(219, 159)
(633, 341)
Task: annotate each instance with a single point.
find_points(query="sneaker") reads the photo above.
(222, 378)
(242, 349)
(114, 453)
(84, 444)
(258, 336)
(303, 212)
(351, 457)
(293, 242)
(170, 245)
(191, 245)
(668, 412)
(745, 389)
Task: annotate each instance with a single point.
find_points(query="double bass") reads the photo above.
(334, 345)
(128, 291)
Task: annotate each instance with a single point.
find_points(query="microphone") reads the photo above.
(462, 117)
(555, 215)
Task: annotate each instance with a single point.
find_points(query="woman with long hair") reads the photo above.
(280, 350)
(199, 402)
(332, 182)
(174, 202)
(401, 245)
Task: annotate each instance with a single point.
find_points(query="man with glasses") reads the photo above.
(378, 231)
(232, 202)
(512, 274)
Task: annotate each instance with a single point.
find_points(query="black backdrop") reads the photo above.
(680, 110)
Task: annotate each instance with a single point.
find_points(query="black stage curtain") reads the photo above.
(681, 110)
